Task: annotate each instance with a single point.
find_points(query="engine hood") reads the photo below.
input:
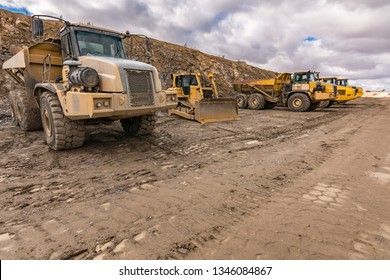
(112, 71)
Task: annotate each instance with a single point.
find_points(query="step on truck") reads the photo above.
(82, 77)
(299, 91)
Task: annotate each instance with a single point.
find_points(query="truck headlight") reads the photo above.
(84, 76)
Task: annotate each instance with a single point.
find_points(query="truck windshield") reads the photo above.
(313, 76)
(342, 82)
(329, 81)
(91, 43)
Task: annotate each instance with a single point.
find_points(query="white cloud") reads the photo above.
(353, 37)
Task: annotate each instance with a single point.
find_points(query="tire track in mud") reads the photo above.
(327, 208)
(168, 189)
(239, 204)
(233, 211)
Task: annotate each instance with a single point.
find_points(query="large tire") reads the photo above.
(26, 111)
(269, 105)
(60, 132)
(256, 101)
(298, 102)
(324, 104)
(242, 101)
(12, 105)
(137, 126)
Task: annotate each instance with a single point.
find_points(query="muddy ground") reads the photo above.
(274, 185)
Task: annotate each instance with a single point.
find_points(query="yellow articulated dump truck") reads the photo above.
(82, 77)
(345, 92)
(199, 100)
(344, 82)
(299, 91)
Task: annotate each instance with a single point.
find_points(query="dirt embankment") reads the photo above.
(168, 58)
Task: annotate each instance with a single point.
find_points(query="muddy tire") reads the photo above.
(269, 105)
(256, 101)
(324, 104)
(12, 104)
(60, 132)
(313, 106)
(298, 102)
(137, 126)
(242, 101)
(26, 111)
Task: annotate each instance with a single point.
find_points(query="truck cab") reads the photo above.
(345, 92)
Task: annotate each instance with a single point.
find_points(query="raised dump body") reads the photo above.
(299, 91)
(31, 65)
(83, 77)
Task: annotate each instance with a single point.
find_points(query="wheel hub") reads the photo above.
(297, 103)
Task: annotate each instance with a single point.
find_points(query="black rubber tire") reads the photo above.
(60, 132)
(256, 101)
(298, 102)
(324, 104)
(12, 103)
(313, 106)
(137, 126)
(242, 101)
(269, 105)
(27, 111)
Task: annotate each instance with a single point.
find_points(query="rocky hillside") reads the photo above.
(168, 58)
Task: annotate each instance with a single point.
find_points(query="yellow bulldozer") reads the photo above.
(200, 101)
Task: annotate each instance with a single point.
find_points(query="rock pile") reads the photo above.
(168, 58)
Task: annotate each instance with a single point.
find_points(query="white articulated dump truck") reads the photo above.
(79, 78)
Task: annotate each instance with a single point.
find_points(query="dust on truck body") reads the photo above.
(83, 77)
(300, 91)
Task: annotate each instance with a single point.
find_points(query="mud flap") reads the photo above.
(216, 110)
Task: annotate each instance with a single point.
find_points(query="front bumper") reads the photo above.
(87, 105)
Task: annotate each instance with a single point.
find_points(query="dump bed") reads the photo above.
(38, 63)
(268, 86)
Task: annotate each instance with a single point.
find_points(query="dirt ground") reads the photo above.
(274, 185)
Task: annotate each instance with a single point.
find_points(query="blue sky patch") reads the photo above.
(16, 10)
(310, 39)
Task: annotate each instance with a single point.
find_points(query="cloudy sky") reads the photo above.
(335, 37)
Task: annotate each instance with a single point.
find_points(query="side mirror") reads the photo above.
(37, 27)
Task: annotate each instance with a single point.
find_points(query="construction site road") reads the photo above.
(274, 185)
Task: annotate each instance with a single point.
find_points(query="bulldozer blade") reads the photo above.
(216, 110)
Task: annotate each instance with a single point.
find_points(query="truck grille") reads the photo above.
(140, 87)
